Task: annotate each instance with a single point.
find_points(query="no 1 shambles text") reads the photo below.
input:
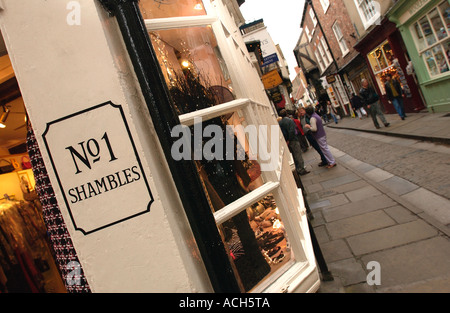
(227, 303)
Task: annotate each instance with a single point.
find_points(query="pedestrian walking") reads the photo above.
(372, 100)
(304, 119)
(300, 132)
(288, 126)
(358, 106)
(395, 94)
(319, 134)
(332, 111)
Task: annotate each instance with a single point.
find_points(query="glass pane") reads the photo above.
(170, 8)
(441, 60)
(257, 242)
(388, 54)
(438, 25)
(429, 59)
(445, 11)
(428, 32)
(192, 64)
(373, 61)
(419, 37)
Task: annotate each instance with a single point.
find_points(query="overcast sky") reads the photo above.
(282, 18)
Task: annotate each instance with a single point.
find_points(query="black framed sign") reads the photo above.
(97, 166)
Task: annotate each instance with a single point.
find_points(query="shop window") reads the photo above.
(381, 61)
(247, 203)
(191, 51)
(168, 8)
(27, 258)
(431, 34)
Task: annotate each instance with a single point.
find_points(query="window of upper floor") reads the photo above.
(369, 11)
(325, 5)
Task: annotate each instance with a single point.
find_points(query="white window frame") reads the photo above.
(327, 51)
(308, 33)
(289, 200)
(325, 5)
(313, 16)
(340, 38)
(365, 9)
(439, 42)
(319, 61)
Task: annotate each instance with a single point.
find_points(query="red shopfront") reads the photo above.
(385, 52)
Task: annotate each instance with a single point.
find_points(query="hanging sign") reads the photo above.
(97, 167)
(268, 48)
(271, 79)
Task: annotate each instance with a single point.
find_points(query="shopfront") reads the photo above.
(385, 53)
(27, 262)
(132, 86)
(425, 28)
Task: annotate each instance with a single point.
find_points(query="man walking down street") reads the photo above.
(371, 100)
(394, 93)
(288, 126)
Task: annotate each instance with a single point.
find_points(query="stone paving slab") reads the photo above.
(359, 224)
(378, 175)
(341, 180)
(426, 259)
(390, 237)
(336, 250)
(362, 193)
(400, 214)
(434, 285)
(430, 203)
(398, 185)
(349, 271)
(357, 208)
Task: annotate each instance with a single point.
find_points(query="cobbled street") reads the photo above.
(424, 164)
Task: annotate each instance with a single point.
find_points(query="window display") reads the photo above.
(26, 259)
(431, 34)
(197, 78)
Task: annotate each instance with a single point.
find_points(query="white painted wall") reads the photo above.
(63, 69)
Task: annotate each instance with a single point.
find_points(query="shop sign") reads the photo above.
(271, 79)
(268, 48)
(331, 79)
(412, 10)
(97, 167)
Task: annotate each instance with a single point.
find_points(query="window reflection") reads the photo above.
(431, 39)
(191, 53)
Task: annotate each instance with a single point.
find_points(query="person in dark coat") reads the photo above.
(288, 127)
(394, 93)
(358, 106)
(372, 100)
